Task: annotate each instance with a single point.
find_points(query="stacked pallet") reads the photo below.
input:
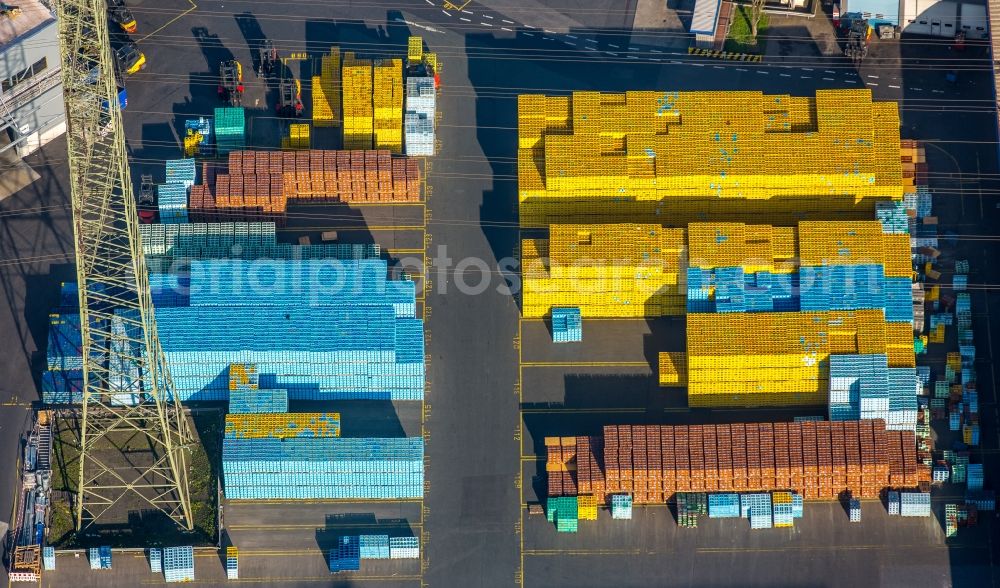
(819, 460)
(560, 453)
(326, 91)
(282, 425)
(625, 271)
(387, 98)
(298, 137)
(780, 358)
(359, 109)
(674, 157)
(421, 98)
(259, 185)
(230, 129)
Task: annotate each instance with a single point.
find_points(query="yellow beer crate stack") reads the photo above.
(388, 104)
(282, 425)
(680, 157)
(326, 91)
(672, 369)
(358, 106)
(298, 137)
(414, 50)
(587, 507)
(774, 358)
(755, 248)
(242, 374)
(625, 271)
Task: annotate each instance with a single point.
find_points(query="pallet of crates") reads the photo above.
(99, 557)
(893, 502)
(172, 201)
(566, 325)
(564, 512)
(48, 558)
(784, 515)
(915, 504)
(232, 563)
(723, 506)
(230, 129)
(155, 561)
(950, 519)
(178, 564)
(854, 510)
(346, 556)
(404, 548)
(374, 546)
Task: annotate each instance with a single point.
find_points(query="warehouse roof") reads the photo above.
(30, 14)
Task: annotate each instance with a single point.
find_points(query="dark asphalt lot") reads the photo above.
(473, 518)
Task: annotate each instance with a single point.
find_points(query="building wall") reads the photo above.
(32, 89)
(876, 11)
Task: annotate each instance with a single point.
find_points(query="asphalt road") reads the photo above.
(475, 531)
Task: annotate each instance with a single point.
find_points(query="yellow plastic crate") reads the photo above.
(672, 369)
(586, 507)
(414, 50)
(282, 425)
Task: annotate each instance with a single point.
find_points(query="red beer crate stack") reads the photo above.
(820, 460)
(259, 185)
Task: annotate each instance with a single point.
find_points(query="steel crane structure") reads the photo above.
(127, 400)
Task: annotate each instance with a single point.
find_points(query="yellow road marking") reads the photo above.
(173, 20)
(585, 364)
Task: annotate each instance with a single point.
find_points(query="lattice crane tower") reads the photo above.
(127, 385)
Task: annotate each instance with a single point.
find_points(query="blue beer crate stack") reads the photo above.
(374, 546)
(940, 473)
(49, 558)
(178, 564)
(893, 216)
(346, 555)
(230, 129)
(796, 506)
(155, 561)
(232, 563)
(567, 325)
(985, 500)
(974, 476)
(748, 501)
(723, 506)
(915, 504)
(323, 468)
(172, 201)
(99, 557)
(621, 507)
(960, 282)
(761, 517)
(854, 510)
(321, 330)
(181, 171)
(404, 548)
(893, 501)
(865, 387)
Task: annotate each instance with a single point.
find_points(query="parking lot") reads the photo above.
(497, 385)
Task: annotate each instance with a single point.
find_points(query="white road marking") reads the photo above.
(805, 77)
(529, 34)
(550, 32)
(760, 71)
(469, 12)
(785, 75)
(567, 42)
(505, 29)
(486, 24)
(463, 18)
(828, 79)
(611, 53)
(631, 57)
(698, 64)
(508, 21)
(446, 13)
(851, 81)
(807, 69)
(828, 71)
(918, 89)
(615, 46)
(590, 40)
(571, 36)
(656, 51)
(869, 83)
(891, 86)
(718, 67)
(938, 91)
(530, 27)
(548, 38)
(739, 69)
(674, 61)
(429, 2)
(590, 49)
(487, 16)
(873, 77)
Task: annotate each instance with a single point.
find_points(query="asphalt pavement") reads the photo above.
(481, 445)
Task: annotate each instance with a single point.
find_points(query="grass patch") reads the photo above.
(739, 39)
(133, 522)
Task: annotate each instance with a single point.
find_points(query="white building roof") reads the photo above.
(705, 16)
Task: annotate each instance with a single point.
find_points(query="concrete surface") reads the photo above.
(481, 453)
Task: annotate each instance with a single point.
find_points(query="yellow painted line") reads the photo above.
(173, 20)
(451, 6)
(408, 251)
(354, 228)
(585, 364)
(581, 410)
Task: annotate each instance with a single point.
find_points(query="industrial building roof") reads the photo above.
(32, 15)
(705, 16)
